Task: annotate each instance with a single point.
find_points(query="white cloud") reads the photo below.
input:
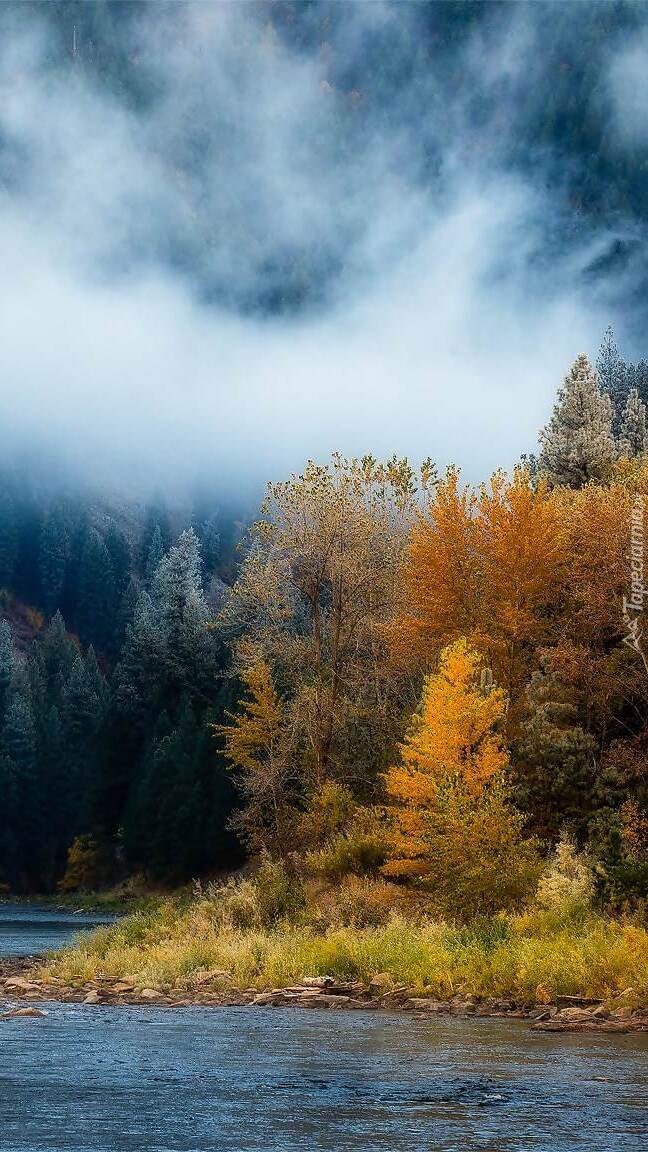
(439, 334)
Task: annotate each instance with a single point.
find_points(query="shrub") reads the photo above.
(353, 853)
(270, 897)
(566, 888)
(358, 902)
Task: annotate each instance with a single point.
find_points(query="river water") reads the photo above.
(99, 1079)
(27, 930)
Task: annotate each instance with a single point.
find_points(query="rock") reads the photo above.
(151, 994)
(212, 974)
(380, 983)
(428, 1004)
(264, 999)
(19, 983)
(601, 1012)
(30, 1013)
(330, 1000)
(122, 986)
(573, 1016)
(92, 997)
(557, 1025)
(318, 981)
(623, 1013)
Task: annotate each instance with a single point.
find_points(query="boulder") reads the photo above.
(122, 986)
(573, 1016)
(317, 981)
(151, 994)
(93, 997)
(380, 983)
(30, 1013)
(22, 985)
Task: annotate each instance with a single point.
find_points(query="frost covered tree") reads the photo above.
(613, 377)
(632, 439)
(578, 445)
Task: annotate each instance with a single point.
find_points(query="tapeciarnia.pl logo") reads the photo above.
(633, 604)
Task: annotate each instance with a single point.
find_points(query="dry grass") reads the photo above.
(526, 957)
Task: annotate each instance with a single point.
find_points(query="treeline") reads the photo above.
(440, 683)
(409, 679)
(109, 682)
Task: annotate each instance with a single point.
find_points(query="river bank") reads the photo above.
(24, 988)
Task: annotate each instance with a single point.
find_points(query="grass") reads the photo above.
(531, 957)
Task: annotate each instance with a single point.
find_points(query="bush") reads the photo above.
(358, 902)
(566, 888)
(272, 896)
(89, 866)
(354, 853)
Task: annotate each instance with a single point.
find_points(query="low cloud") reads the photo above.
(254, 259)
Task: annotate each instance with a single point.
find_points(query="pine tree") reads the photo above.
(119, 553)
(28, 832)
(638, 378)
(8, 539)
(633, 439)
(82, 714)
(157, 517)
(577, 445)
(182, 616)
(154, 556)
(58, 652)
(54, 557)
(613, 377)
(96, 591)
(6, 666)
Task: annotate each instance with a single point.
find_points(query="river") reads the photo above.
(100, 1079)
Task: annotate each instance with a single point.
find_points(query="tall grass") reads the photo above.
(526, 957)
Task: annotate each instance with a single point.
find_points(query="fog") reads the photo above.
(248, 253)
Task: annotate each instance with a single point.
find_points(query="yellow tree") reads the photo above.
(488, 565)
(257, 746)
(315, 596)
(454, 829)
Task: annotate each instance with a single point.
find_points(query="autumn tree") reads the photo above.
(577, 444)
(487, 564)
(455, 830)
(258, 747)
(314, 598)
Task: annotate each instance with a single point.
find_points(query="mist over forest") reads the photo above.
(238, 235)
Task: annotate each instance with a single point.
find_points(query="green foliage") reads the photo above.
(358, 852)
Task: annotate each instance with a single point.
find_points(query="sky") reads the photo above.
(235, 236)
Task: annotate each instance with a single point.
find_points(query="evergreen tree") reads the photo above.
(54, 557)
(119, 554)
(28, 812)
(210, 544)
(613, 377)
(157, 517)
(6, 666)
(8, 539)
(154, 557)
(82, 714)
(555, 759)
(58, 652)
(577, 445)
(632, 438)
(182, 615)
(638, 378)
(96, 591)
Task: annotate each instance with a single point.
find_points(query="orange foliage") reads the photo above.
(487, 565)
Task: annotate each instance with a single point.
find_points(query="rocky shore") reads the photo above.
(21, 990)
